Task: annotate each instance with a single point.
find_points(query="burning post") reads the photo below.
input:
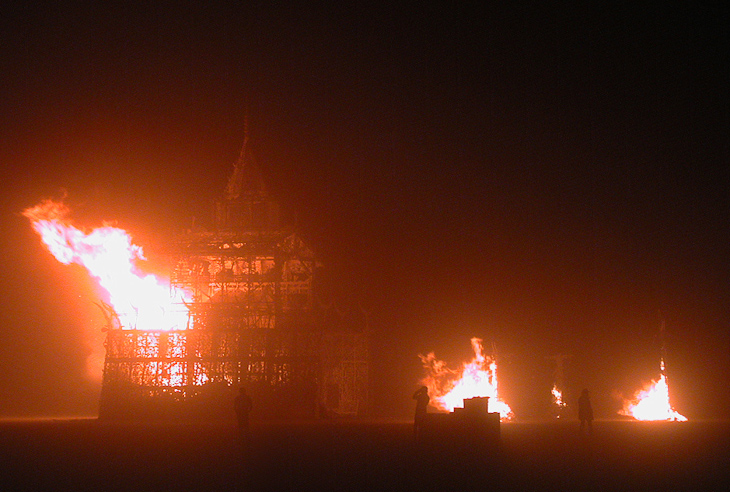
(652, 402)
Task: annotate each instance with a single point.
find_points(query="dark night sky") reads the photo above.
(547, 180)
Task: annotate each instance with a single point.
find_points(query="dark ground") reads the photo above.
(621, 455)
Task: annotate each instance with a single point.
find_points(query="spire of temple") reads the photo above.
(246, 205)
(246, 180)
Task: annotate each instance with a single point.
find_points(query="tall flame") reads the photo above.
(448, 387)
(139, 301)
(652, 402)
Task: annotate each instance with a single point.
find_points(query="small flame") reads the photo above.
(652, 402)
(139, 301)
(558, 398)
(448, 388)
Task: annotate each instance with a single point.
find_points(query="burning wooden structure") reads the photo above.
(255, 318)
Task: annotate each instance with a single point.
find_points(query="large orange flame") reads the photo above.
(448, 388)
(139, 301)
(652, 402)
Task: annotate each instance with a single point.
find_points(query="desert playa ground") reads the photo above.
(86, 454)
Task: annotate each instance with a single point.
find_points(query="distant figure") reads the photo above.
(243, 405)
(585, 412)
(422, 399)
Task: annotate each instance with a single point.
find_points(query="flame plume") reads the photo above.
(652, 402)
(139, 301)
(448, 387)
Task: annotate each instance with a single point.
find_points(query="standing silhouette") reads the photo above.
(585, 412)
(422, 400)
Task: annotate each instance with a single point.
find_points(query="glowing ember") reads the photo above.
(448, 388)
(652, 403)
(139, 301)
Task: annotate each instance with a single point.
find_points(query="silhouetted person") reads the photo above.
(422, 399)
(585, 412)
(243, 405)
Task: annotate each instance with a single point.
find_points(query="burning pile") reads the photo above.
(448, 387)
(652, 402)
(136, 300)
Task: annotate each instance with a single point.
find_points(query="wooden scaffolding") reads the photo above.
(255, 320)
